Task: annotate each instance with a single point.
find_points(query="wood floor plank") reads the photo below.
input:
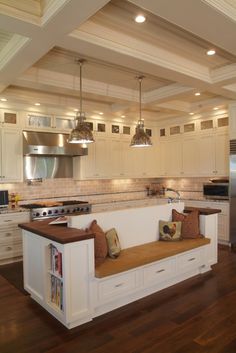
(195, 316)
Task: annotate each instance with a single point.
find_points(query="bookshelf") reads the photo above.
(55, 277)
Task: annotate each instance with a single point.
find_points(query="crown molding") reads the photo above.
(174, 89)
(224, 74)
(16, 43)
(107, 38)
(223, 7)
(50, 78)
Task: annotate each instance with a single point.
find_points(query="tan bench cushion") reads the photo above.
(144, 254)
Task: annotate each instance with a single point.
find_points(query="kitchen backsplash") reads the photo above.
(104, 190)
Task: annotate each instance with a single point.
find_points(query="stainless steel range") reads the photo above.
(43, 210)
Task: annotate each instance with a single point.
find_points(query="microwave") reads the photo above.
(216, 191)
(3, 198)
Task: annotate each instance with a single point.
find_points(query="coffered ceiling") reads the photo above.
(42, 40)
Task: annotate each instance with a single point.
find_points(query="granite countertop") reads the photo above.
(59, 233)
(13, 210)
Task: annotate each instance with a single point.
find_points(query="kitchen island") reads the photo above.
(59, 269)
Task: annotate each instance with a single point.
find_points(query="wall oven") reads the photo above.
(216, 191)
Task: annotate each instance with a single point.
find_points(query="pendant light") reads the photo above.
(140, 138)
(81, 133)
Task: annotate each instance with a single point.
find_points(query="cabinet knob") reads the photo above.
(8, 234)
(9, 248)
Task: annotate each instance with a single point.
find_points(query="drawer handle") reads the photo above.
(7, 220)
(192, 259)
(9, 248)
(119, 285)
(8, 234)
(159, 271)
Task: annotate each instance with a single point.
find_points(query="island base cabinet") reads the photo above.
(52, 278)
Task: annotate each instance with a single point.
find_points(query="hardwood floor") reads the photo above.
(196, 316)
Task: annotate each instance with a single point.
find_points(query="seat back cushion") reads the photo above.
(170, 231)
(100, 242)
(190, 224)
(113, 243)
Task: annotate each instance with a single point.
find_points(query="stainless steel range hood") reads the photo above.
(48, 155)
(50, 144)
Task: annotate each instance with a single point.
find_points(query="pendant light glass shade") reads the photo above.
(81, 133)
(140, 138)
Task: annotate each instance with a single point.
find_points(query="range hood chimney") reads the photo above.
(50, 144)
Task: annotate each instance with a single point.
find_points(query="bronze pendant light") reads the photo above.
(140, 138)
(81, 133)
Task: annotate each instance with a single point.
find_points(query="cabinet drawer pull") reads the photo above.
(119, 285)
(159, 271)
(192, 259)
(8, 234)
(9, 248)
(7, 220)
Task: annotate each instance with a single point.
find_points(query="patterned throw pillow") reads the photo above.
(113, 243)
(190, 224)
(170, 231)
(100, 242)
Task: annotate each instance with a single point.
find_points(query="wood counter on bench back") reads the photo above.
(202, 211)
(59, 233)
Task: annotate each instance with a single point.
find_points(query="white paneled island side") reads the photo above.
(59, 266)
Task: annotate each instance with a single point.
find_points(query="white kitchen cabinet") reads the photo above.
(11, 155)
(11, 237)
(190, 156)
(223, 216)
(214, 153)
(232, 121)
(97, 163)
(222, 153)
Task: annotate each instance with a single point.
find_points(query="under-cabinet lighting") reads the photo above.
(122, 116)
(3, 100)
(191, 113)
(37, 104)
(197, 94)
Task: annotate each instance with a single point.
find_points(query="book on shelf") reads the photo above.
(57, 291)
(56, 261)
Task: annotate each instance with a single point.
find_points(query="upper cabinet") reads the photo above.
(11, 162)
(232, 121)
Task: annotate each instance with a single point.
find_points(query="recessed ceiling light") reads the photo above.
(122, 116)
(140, 19)
(76, 110)
(37, 104)
(211, 52)
(3, 99)
(191, 113)
(100, 113)
(197, 94)
(215, 108)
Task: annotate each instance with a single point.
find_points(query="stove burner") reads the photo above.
(56, 209)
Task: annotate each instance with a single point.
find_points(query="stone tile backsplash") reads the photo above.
(103, 190)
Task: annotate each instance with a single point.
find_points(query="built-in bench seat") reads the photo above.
(144, 254)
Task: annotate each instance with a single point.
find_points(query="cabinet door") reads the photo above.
(206, 151)
(116, 150)
(102, 157)
(173, 157)
(12, 158)
(190, 156)
(222, 154)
